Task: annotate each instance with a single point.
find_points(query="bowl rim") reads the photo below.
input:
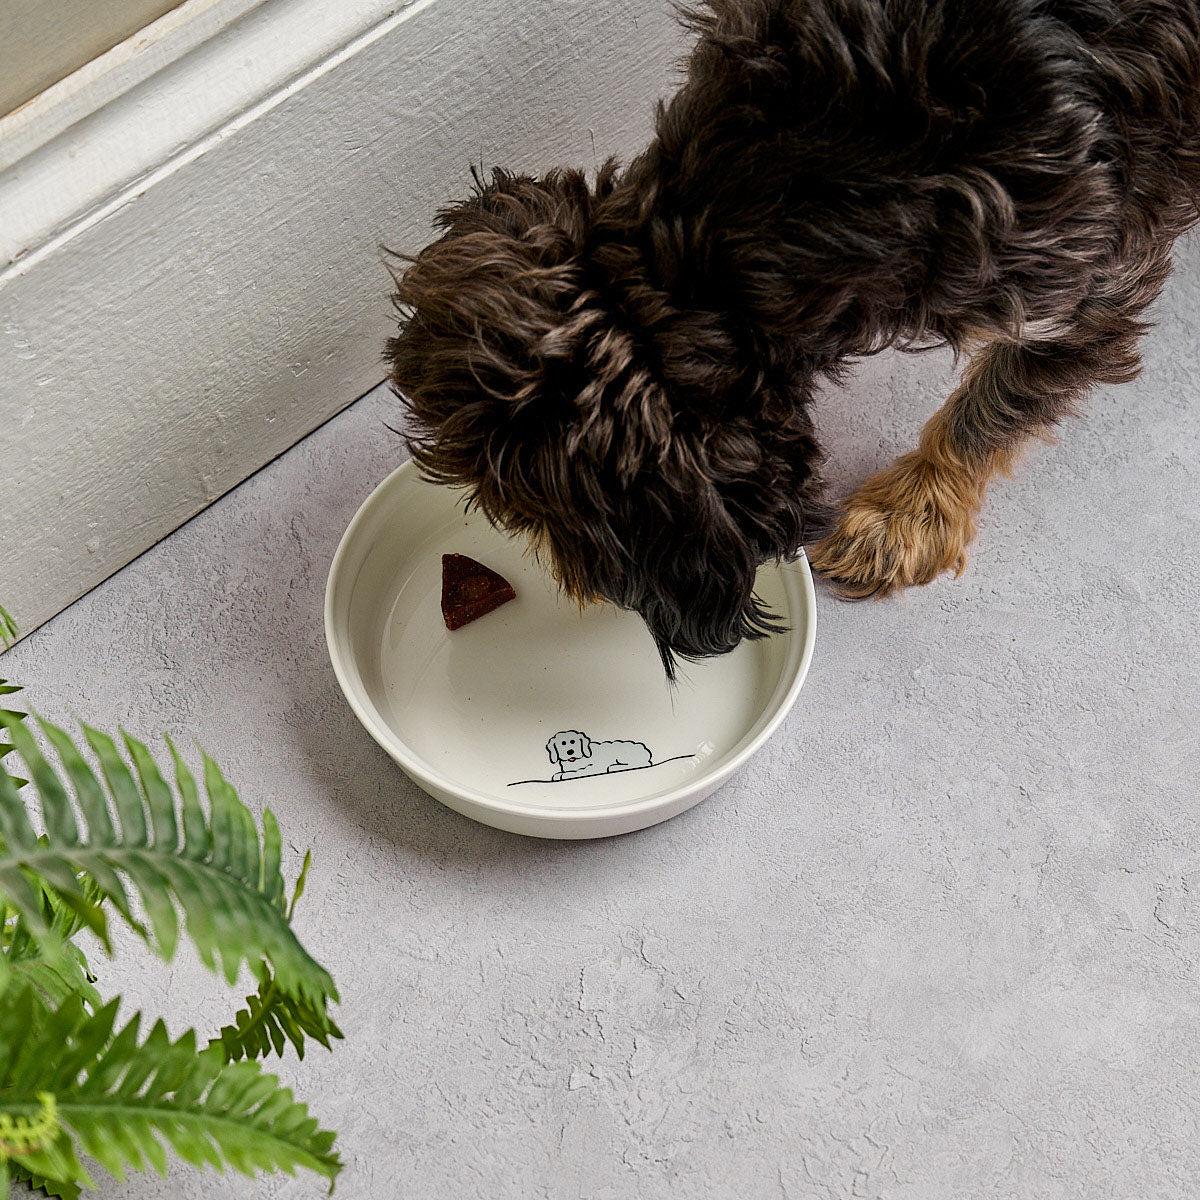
(791, 679)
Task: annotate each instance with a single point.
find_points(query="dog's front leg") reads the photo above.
(914, 520)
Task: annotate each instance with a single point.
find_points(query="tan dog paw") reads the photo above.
(901, 528)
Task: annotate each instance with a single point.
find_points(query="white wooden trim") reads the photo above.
(113, 73)
(224, 82)
(43, 41)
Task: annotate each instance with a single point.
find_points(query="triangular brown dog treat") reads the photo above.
(470, 590)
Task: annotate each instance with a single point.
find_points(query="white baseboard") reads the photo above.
(86, 92)
(191, 278)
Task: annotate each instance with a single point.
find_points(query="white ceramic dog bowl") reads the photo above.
(538, 718)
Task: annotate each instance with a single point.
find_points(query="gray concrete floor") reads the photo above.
(940, 941)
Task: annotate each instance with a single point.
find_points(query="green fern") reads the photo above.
(8, 628)
(52, 964)
(9, 689)
(71, 1083)
(214, 869)
(272, 1018)
(48, 1187)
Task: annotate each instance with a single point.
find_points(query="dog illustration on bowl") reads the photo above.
(576, 754)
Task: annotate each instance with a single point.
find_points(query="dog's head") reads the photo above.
(565, 357)
(569, 746)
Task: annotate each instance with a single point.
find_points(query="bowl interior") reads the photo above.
(536, 706)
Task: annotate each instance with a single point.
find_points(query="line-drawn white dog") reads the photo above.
(576, 754)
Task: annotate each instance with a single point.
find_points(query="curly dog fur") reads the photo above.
(622, 369)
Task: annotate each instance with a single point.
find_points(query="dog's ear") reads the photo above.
(488, 313)
(586, 744)
(552, 750)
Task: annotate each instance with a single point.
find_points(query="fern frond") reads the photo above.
(270, 1020)
(9, 689)
(48, 1187)
(8, 628)
(51, 962)
(27, 1134)
(212, 868)
(123, 1100)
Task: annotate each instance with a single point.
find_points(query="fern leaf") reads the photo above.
(9, 689)
(28, 1134)
(123, 1100)
(51, 963)
(8, 628)
(127, 835)
(270, 1020)
(48, 1187)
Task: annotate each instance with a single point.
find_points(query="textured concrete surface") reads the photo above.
(940, 941)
